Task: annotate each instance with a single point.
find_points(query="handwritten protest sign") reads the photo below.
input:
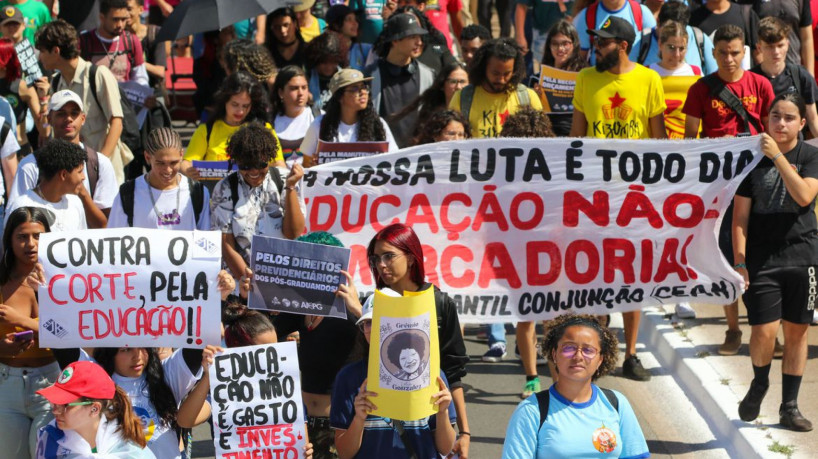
(557, 89)
(675, 95)
(210, 172)
(525, 229)
(130, 287)
(257, 409)
(297, 277)
(404, 357)
(335, 151)
(28, 61)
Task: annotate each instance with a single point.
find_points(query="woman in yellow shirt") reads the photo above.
(240, 100)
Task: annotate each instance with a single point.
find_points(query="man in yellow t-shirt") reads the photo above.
(618, 99)
(494, 91)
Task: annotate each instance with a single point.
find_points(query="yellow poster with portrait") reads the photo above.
(404, 356)
(675, 95)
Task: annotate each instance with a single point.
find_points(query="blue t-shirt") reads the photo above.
(379, 439)
(692, 57)
(371, 19)
(593, 429)
(602, 14)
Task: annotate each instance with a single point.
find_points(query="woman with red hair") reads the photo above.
(21, 96)
(396, 260)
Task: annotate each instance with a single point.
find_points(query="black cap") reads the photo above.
(400, 26)
(615, 27)
(336, 14)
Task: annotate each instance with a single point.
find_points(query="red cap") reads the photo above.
(80, 379)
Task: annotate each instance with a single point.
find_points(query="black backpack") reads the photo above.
(128, 189)
(233, 181)
(543, 399)
(5, 130)
(131, 135)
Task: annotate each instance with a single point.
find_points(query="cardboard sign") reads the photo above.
(557, 89)
(404, 355)
(28, 61)
(130, 287)
(210, 172)
(527, 229)
(336, 151)
(297, 277)
(256, 399)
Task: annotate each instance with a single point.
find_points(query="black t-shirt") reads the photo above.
(796, 13)
(399, 87)
(785, 82)
(740, 15)
(780, 232)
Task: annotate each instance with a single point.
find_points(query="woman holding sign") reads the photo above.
(24, 367)
(94, 418)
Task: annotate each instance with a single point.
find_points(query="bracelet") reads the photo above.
(465, 433)
(290, 187)
(776, 156)
(739, 266)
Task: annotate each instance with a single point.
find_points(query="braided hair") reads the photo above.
(162, 138)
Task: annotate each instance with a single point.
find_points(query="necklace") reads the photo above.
(172, 218)
(111, 56)
(39, 192)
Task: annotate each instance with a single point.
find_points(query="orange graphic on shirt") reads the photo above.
(604, 439)
(617, 108)
(749, 102)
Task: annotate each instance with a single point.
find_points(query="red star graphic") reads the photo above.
(616, 100)
(503, 117)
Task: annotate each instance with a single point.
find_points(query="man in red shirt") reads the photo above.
(705, 108)
(112, 46)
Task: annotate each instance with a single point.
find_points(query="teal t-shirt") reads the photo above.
(546, 12)
(35, 13)
(370, 18)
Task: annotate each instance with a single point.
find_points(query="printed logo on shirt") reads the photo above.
(147, 421)
(749, 103)
(604, 439)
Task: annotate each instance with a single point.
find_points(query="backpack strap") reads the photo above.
(522, 95)
(92, 165)
(466, 99)
(698, 36)
(636, 9)
(721, 91)
(126, 196)
(591, 12)
(196, 197)
(590, 16)
(129, 47)
(92, 85)
(275, 174)
(4, 133)
(644, 46)
(544, 397)
(233, 181)
(795, 74)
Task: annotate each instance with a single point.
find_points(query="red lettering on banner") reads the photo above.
(668, 263)
(637, 205)
(376, 204)
(316, 208)
(534, 276)
(647, 260)
(346, 213)
(420, 211)
(670, 210)
(618, 255)
(497, 252)
(358, 263)
(571, 268)
(536, 218)
(449, 254)
(162, 320)
(490, 210)
(51, 289)
(430, 263)
(574, 203)
(448, 225)
(266, 436)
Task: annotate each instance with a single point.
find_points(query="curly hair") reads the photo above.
(574, 63)
(284, 76)
(58, 34)
(20, 216)
(160, 395)
(470, 32)
(403, 341)
(326, 47)
(250, 58)
(527, 122)
(432, 99)
(238, 83)
(609, 350)
(438, 121)
(252, 144)
(370, 127)
(242, 325)
(59, 155)
(504, 49)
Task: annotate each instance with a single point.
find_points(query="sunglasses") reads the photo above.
(249, 167)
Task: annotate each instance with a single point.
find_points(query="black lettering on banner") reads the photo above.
(572, 164)
(179, 259)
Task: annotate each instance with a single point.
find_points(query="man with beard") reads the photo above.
(619, 99)
(495, 90)
(112, 46)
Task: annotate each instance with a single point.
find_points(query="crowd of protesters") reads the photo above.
(273, 88)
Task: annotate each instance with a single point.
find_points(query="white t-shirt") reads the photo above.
(144, 215)
(107, 188)
(10, 147)
(346, 133)
(684, 70)
(293, 128)
(68, 213)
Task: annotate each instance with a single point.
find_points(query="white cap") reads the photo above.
(60, 98)
(366, 309)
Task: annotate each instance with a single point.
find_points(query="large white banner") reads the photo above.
(525, 229)
(130, 287)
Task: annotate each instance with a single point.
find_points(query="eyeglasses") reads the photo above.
(365, 325)
(62, 408)
(357, 89)
(674, 48)
(456, 81)
(249, 167)
(569, 350)
(386, 258)
(562, 44)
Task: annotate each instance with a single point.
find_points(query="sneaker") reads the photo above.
(792, 419)
(778, 352)
(685, 311)
(632, 368)
(749, 408)
(495, 353)
(531, 388)
(732, 342)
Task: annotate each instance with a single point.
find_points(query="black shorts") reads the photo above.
(782, 293)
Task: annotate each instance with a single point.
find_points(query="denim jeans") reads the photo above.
(22, 411)
(497, 333)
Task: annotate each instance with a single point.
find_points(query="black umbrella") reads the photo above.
(195, 16)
